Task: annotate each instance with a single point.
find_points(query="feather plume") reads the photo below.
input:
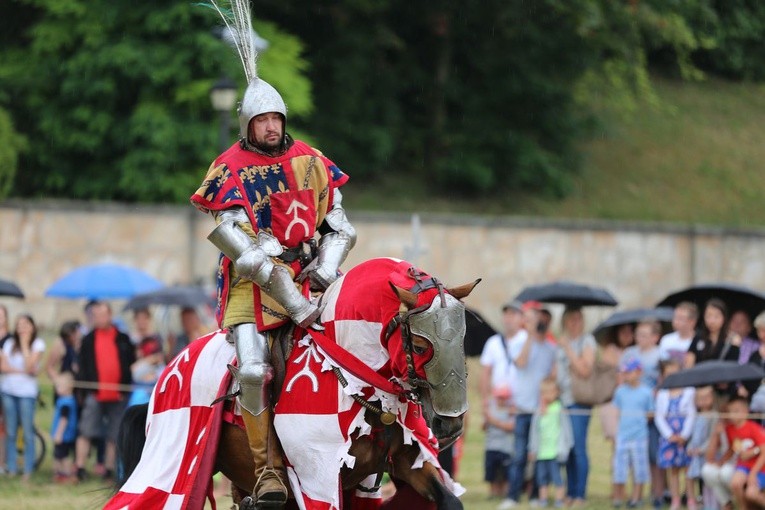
(237, 17)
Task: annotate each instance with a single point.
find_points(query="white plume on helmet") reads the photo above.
(259, 97)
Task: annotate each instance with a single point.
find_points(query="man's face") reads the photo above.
(682, 322)
(190, 322)
(512, 319)
(267, 131)
(531, 320)
(645, 337)
(102, 316)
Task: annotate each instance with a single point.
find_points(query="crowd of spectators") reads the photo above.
(693, 447)
(96, 370)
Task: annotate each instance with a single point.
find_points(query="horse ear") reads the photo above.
(463, 291)
(408, 299)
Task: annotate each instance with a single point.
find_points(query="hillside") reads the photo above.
(698, 157)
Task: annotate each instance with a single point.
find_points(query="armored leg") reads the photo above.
(254, 371)
(253, 375)
(270, 476)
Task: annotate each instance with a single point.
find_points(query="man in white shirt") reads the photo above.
(496, 362)
(676, 344)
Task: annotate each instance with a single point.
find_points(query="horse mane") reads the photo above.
(130, 441)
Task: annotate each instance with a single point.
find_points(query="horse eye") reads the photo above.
(419, 350)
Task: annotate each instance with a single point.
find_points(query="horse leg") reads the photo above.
(426, 481)
(234, 459)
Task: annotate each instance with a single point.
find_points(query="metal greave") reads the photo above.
(254, 372)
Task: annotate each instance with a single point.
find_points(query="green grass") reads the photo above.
(696, 158)
(42, 493)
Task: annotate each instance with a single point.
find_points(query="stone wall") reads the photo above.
(639, 263)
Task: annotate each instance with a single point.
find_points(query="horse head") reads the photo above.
(433, 338)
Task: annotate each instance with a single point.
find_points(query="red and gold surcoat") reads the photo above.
(287, 196)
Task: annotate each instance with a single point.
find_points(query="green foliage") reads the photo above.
(11, 143)
(481, 96)
(739, 28)
(116, 94)
(469, 98)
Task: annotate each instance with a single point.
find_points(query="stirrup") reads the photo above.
(274, 499)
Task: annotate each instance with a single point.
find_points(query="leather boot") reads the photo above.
(270, 476)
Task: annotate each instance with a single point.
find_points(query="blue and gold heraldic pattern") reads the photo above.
(259, 182)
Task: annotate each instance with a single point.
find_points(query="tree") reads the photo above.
(478, 96)
(114, 95)
(11, 143)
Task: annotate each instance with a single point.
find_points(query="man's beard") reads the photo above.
(268, 147)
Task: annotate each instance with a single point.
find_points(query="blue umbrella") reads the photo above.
(103, 281)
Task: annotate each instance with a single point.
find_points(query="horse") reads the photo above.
(407, 387)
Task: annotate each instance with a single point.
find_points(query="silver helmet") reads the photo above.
(260, 97)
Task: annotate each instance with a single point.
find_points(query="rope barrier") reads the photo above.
(571, 412)
(109, 386)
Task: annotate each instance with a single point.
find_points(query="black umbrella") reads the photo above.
(714, 372)
(477, 331)
(736, 297)
(567, 293)
(178, 295)
(605, 332)
(10, 289)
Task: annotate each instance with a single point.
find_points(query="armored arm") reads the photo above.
(334, 245)
(253, 260)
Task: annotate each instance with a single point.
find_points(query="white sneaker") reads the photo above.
(507, 503)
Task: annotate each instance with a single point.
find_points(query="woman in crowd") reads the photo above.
(576, 355)
(754, 388)
(20, 364)
(714, 341)
(5, 334)
(64, 352)
(611, 353)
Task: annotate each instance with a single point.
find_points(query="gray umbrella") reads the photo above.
(714, 372)
(177, 295)
(10, 289)
(736, 297)
(605, 332)
(568, 293)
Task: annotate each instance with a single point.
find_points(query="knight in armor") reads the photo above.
(282, 231)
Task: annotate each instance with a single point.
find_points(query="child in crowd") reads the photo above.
(675, 417)
(499, 424)
(696, 448)
(550, 442)
(634, 401)
(646, 349)
(64, 428)
(747, 439)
